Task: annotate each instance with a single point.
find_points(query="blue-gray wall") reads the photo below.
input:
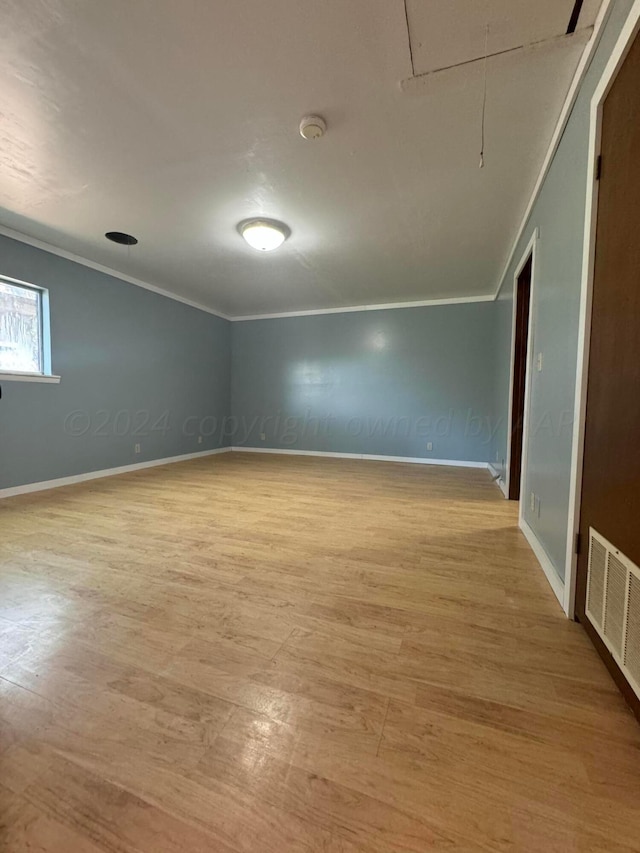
(368, 382)
(136, 367)
(559, 213)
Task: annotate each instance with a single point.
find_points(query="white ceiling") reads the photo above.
(175, 119)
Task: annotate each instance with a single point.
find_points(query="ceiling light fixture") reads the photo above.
(265, 235)
(121, 238)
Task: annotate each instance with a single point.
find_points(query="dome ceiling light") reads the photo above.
(265, 235)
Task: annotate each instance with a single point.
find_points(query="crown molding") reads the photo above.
(71, 256)
(565, 115)
(78, 259)
(351, 309)
(85, 262)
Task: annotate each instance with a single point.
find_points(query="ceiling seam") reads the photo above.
(575, 17)
(406, 17)
(521, 48)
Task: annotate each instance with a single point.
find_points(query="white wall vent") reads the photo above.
(613, 604)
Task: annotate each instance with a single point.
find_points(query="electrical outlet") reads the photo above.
(429, 445)
(263, 436)
(137, 448)
(199, 439)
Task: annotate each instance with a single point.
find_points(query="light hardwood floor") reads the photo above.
(258, 654)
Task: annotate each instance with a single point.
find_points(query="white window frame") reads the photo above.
(45, 374)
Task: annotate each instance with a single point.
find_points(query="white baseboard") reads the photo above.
(543, 558)
(107, 472)
(497, 477)
(137, 466)
(415, 460)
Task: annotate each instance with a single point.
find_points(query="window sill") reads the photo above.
(29, 377)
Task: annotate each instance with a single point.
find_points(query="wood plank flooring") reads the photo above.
(259, 654)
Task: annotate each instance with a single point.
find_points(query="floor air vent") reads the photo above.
(613, 604)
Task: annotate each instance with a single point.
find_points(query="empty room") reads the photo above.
(319, 408)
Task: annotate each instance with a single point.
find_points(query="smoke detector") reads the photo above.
(313, 127)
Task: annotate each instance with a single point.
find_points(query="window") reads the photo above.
(24, 331)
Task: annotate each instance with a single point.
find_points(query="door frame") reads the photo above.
(630, 30)
(531, 251)
(547, 566)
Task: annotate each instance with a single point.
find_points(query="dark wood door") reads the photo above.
(523, 301)
(611, 475)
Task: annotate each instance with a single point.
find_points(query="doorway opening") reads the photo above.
(521, 348)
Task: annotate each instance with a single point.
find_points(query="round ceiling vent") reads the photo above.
(121, 238)
(313, 127)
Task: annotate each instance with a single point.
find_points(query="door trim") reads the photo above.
(531, 251)
(627, 36)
